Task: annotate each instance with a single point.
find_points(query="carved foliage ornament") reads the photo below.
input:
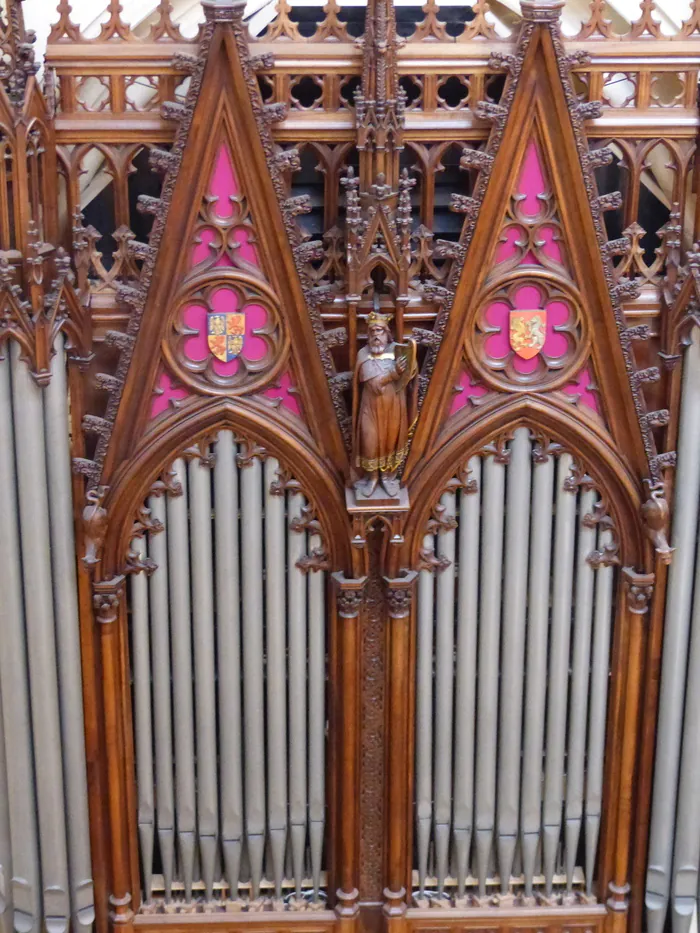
(543, 448)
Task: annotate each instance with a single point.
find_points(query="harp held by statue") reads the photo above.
(409, 352)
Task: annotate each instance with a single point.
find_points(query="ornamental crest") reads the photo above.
(528, 330)
(225, 333)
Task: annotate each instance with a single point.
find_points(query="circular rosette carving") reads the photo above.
(529, 333)
(226, 335)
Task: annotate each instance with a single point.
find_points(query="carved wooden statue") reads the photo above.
(381, 416)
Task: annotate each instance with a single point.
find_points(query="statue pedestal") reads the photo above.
(377, 502)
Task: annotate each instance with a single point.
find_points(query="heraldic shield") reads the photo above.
(528, 330)
(225, 334)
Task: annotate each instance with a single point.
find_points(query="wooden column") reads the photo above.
(345, 759)
(638, 589)
(110, 613)
(399, 593)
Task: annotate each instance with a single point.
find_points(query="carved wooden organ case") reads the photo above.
(302, 706)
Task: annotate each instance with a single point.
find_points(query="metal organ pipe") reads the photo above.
(162, 708)
(536, 663)
(424, 717)
(600, 665)
(558, 677)
(444, 689)
(23, 891)
(227, 546)
(583, 620)
(491, 569)
(253, 677)
(141, 666)
(181, 652)
(204, 670)
(465, 676)
(317, 718)
(296, 583)
(676, 636)
(514, 603)
(276, 631)
(65, 594)
(686, 851)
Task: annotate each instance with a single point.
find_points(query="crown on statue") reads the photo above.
(376, 317)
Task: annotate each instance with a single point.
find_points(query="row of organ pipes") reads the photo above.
(229, 630)
(45, 866)
(513, 656)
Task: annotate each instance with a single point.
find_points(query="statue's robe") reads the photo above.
(381, 426)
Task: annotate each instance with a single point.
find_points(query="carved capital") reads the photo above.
(350, 592)
(541, 11)
(106, 596)
(640, 587)
(399, 593)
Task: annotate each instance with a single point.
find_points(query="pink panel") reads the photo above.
(531, 182)
(582, 386)
(527, 297)
(224, 184)
(165, 393)
(467, 391)
(229, 210)
(223, 300)
(283, 392)
(530, 192)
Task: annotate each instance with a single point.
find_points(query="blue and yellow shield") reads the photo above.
(225, 333)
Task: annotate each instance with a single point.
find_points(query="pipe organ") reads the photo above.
(349, 481)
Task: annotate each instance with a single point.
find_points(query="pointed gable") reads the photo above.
(220, 310)
(534, 303)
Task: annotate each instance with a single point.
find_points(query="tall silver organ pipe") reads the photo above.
(673, 866)
(501, 713)
(245, 752)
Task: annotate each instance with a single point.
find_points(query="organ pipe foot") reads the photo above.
(462, 844)
(506, 854)
(207, 854)
(483, 853)
(232, 864)
(529, 844)
(423, 843)
(278, 843)
(256, 850)
(146, 835)
(166, 840)
(572, 832)
(298, 847)
(442, 849)
(186, 844)
(549, 856)
(316, 829)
